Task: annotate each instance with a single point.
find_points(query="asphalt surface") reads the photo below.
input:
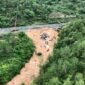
(25, 28)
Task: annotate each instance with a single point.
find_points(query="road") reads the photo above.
(25, 28)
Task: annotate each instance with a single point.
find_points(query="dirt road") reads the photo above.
(44, 40)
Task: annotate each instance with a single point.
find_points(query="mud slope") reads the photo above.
(44, 40)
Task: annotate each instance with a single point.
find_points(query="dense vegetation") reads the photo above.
(24, 12)
(67, 64)
(15, 50)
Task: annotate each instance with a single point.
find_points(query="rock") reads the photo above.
(44, 36)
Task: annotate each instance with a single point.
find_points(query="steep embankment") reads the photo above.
(44, 40)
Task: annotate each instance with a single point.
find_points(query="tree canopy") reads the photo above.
(15, 50)
(25, 12)
(67, 65)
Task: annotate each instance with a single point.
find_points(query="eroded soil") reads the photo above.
(44, 40)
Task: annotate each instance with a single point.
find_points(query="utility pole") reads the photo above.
(16, 16)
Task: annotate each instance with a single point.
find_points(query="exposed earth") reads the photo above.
(44, 40)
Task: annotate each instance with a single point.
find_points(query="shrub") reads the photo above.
(67, 65)
(15, 50)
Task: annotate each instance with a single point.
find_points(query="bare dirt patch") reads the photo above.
(44, 40)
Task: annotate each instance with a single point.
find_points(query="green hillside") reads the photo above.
(67, 65)
(25, 12)
(15, 51)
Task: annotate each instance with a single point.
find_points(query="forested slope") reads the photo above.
(24, 12)
(67, 65)
(15, 50)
